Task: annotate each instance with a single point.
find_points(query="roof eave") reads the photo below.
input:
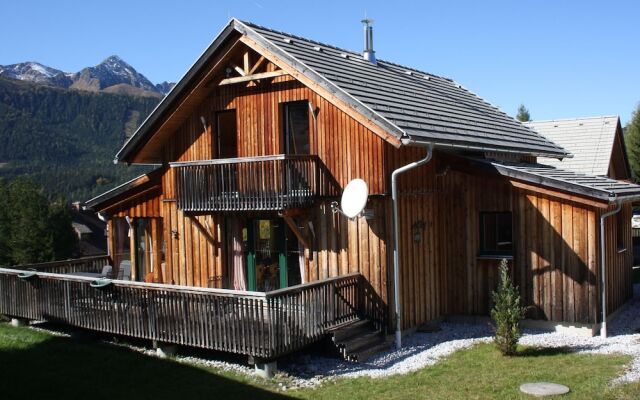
(102, 198)
(409, 141)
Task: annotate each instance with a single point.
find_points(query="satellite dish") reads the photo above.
(354, 198)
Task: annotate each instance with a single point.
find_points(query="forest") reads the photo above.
(65, 140)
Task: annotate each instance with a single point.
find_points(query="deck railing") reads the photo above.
(263, 325)
(254, 183)
(84, 264)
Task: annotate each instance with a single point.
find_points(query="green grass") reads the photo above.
(35, 364)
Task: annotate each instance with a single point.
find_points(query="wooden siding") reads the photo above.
(555, 257)
(619, 259)
(346, 149)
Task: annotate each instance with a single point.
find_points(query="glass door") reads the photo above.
(273, 255)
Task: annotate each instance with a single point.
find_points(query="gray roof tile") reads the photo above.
(590, 140)
(422, 105)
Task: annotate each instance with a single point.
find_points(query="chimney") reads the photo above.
(368, 53)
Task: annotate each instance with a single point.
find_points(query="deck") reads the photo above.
(263, 325)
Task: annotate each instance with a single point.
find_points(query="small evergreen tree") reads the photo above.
(632, 142)
(507, 313)
(523, 114)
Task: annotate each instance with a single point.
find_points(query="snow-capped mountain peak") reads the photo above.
(35, 72)
(111, 75)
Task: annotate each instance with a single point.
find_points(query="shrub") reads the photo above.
(507, 313)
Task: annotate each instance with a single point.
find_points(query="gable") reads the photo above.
(595, 142)
(396, 103)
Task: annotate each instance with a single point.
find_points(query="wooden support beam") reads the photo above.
(256, 65)
(245, 61)
(253, 77)
(294, 228)
(238, 69)
(205, 232)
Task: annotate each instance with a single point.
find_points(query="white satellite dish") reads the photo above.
(354, 198)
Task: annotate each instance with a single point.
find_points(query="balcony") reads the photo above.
(263, 183)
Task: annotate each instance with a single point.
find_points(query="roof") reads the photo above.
(97, 202)
(81, 228)
(596, 187)
(590, 140)
(407, 103)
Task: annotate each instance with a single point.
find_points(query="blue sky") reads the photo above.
(562, 59)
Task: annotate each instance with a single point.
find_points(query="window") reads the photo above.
(495, 234)
(227, 134)
(296, 127)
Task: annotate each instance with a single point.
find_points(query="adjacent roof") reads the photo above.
(405, 102)
(81, 228)
(596, 187)
(590, 140)
(148, 179)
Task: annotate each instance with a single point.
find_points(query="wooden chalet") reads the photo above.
(232, 241)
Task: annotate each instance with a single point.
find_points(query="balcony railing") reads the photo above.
(253, 183)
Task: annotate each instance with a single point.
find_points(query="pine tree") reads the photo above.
(5, 251)
(28, 211)
(507, 313)
(62, 238)
(523, 114)
(632, 142)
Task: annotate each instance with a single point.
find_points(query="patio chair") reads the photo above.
(107, 272)
(124, 272)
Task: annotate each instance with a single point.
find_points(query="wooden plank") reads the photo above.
(253, 77)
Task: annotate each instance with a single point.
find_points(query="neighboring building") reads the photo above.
(90, 231)
(596, 143)
(265, 130)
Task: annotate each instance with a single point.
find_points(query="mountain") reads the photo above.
(113, 75)
(37, 73)
(65, 139)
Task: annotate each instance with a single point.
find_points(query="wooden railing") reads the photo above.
(84, 264)
(263, 325)
(254, 183)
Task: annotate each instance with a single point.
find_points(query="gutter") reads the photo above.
(603, 277)
(450, 145)
(396, 261)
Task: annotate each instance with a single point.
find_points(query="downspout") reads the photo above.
(396, 262)
(603, 277)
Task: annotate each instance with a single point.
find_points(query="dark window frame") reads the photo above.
(502, 234)
(286, 127)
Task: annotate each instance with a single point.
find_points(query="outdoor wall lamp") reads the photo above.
(417, 228)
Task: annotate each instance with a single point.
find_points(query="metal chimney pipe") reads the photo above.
(368, 54)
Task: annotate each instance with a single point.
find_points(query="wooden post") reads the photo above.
(133, 251)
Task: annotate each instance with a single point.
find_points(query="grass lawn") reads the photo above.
(34, 364)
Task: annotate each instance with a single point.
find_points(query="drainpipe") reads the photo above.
(396, 262)
(603, 277)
